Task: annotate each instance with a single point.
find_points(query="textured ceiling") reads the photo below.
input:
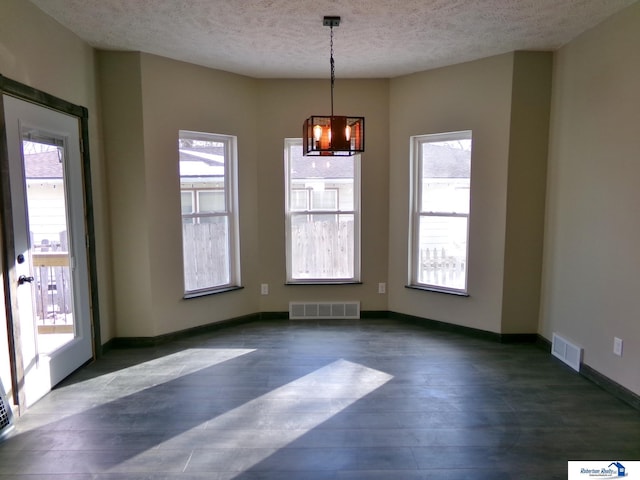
(286, 38)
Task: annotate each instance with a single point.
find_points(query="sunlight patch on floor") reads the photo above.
(170, 367)
(115, 385)
(311, 396)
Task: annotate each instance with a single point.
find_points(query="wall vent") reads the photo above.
(566, 351)
(6, 419)
(323, 310)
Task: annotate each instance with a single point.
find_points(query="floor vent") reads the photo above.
(6, 419)
(566, 351)
(322, 310)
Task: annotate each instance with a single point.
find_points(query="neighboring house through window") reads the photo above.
(209, 212)
(322, 217)
(440, 211)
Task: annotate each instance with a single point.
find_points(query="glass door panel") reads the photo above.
(48, 231)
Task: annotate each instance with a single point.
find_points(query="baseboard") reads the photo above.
(610, 386)
(518, 337)
(543, 343)
(444, 326)
(141, 342)
(371, 314)
(467, 331)
(274, 315)
(614, 388)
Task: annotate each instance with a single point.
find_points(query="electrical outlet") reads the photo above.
(382, 287)
(617, 346)
(264, 289)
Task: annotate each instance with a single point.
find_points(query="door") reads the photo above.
(51, 294)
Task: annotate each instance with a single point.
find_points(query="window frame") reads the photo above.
(230, 212)
(191, 193)
(200, 193)
(310, 212)
(416, 202)
(335, 200)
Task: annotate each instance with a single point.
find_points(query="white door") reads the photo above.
(51, 303)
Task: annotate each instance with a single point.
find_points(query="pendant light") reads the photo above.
(333, 135)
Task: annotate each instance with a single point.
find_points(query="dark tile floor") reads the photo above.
(334, 400)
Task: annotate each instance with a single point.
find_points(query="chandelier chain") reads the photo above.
(333, 70)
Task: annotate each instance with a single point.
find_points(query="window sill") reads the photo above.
(438, 290)
(213, 291)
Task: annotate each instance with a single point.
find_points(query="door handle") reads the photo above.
(22, 279)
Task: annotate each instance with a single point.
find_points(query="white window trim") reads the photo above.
(231, 200)
(356, 212)
(415, 192)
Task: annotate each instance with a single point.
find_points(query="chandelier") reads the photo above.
(333, 135)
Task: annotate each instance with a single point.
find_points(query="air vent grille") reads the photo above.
(324, 310)
(566, 351)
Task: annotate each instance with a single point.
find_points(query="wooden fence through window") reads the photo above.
(439, 268)
(206, 259)
(322, 249)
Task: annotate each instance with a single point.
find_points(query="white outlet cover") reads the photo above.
(617, 346)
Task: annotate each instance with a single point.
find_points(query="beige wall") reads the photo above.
(36, 51)
(163, 96)
(148, 99)
(121, 95)
(472, 96)
(283, 107)
(504, 100)
(591, 260)
(143, 175)
(182, 96)
(526, 183)
(590, 263)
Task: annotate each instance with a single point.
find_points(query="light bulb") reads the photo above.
(347, 132)
(317, 132)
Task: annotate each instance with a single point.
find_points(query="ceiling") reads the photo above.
(286, 38)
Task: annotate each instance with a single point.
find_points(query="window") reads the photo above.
(187, 201)
(299, 199)
(326, 199)
(322, 217)
(440, 206)
(209, 212)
